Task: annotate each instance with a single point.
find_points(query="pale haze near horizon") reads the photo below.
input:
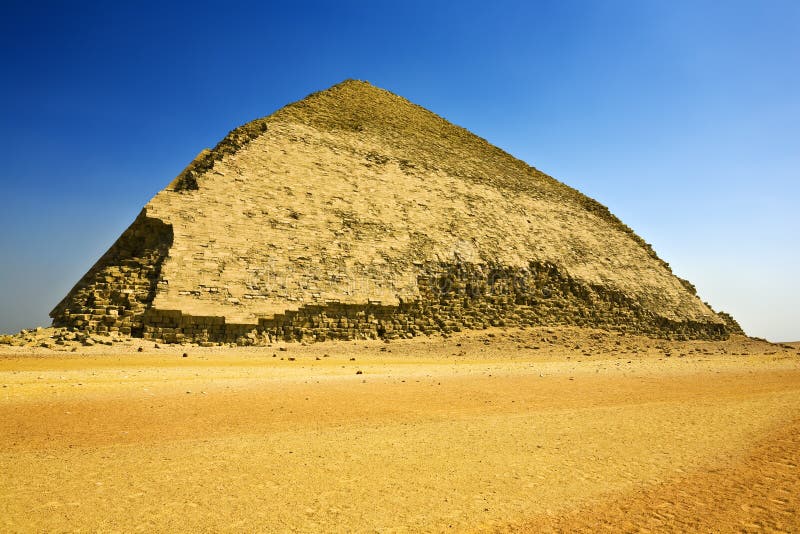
(682, 117)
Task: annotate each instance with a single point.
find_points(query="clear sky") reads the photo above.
(682, 116)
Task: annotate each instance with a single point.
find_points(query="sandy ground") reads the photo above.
(501, 430)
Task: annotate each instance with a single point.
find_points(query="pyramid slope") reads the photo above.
(355, 212)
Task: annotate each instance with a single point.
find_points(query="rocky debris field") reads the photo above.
(528, 341)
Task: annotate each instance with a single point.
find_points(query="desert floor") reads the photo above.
(498, 430)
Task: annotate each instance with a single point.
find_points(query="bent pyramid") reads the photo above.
(355, 213)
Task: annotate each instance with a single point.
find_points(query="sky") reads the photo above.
(683, 117)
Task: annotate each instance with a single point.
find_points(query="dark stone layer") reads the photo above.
(453, 297)
(731, 323)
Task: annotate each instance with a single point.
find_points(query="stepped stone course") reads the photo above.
(354, 213)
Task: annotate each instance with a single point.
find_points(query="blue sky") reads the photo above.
(682, 116)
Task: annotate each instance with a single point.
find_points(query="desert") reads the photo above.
(499, 430)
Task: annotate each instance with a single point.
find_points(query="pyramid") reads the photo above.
(354, 213)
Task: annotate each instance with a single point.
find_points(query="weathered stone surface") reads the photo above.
(354, 213)
(117, 290)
